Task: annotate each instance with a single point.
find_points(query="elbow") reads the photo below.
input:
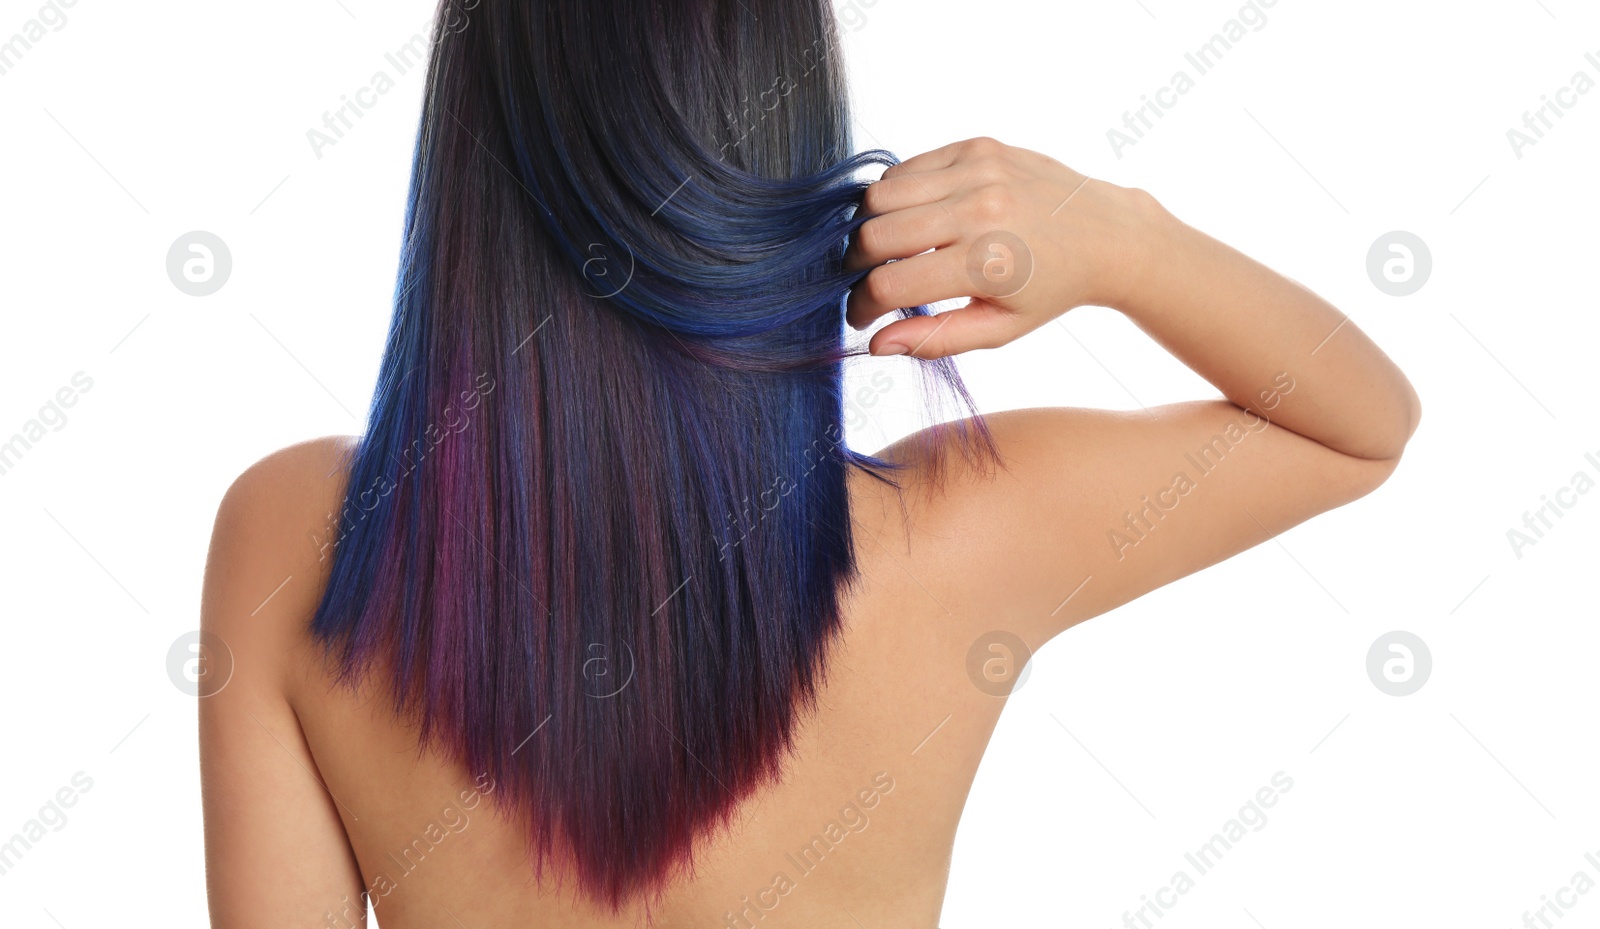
(1371, 467)
(1390, 443)
(1414, 405)
(1410, 418)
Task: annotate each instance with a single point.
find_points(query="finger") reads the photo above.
(909, 190)
(941, 157)
(937, 275)
(979, 324)
(906, 191)
(901, 234)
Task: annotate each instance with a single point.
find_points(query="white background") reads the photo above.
(1137, 735)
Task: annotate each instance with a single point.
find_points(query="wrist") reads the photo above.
(1144, 246)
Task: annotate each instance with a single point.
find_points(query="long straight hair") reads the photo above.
(595, 534)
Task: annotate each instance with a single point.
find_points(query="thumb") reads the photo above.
(979, 324)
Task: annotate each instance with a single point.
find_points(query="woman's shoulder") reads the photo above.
(284, 505)
(312, 464)
(271, 547)
(289, 490)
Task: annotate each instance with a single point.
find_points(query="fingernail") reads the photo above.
(890, 348)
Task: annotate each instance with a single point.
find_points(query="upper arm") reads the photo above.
(276, 849)
(1093, 508)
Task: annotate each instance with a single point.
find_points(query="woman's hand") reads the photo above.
(1023, 235)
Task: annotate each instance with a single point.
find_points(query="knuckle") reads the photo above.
(1142, 199)
(872, 201)
(883, 286)
(983, 145)
(992, 202)
(873, 237)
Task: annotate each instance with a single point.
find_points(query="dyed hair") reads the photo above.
(595, 534)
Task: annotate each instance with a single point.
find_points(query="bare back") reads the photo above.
(862, 825)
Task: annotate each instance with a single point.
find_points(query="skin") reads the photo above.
(309, 790)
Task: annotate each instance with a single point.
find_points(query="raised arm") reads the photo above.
(1240, 325)
(1315, 416)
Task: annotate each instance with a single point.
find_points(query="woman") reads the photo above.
(602, 623)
